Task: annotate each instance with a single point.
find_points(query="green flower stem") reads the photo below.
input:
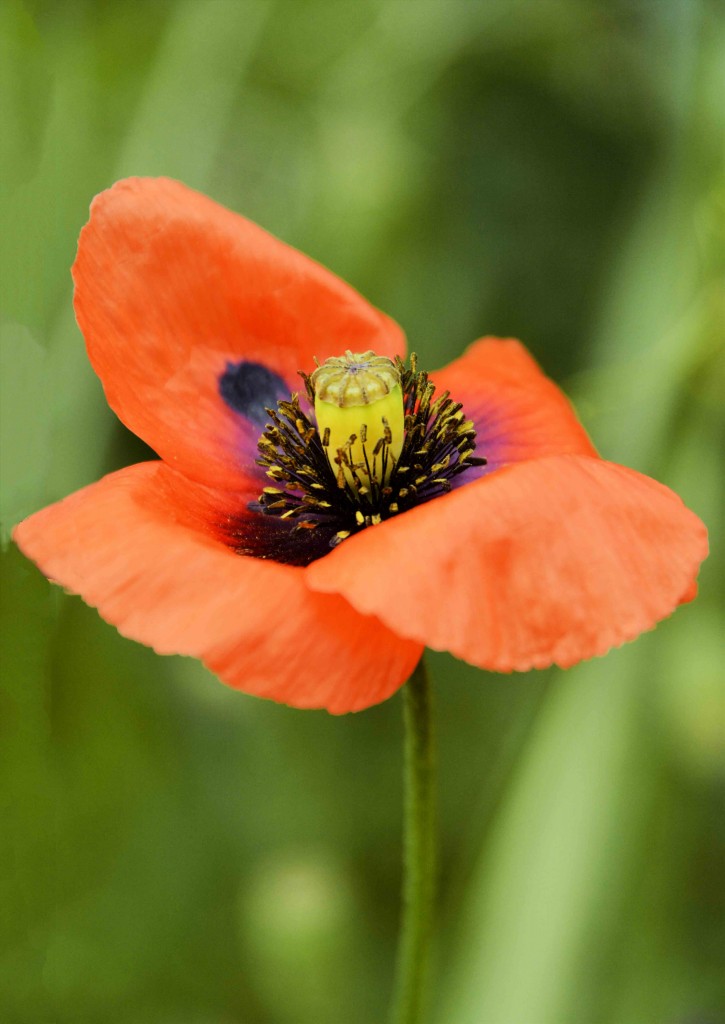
(419, 869)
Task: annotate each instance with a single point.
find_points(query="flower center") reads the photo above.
(381, 444)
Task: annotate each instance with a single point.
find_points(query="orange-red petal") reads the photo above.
(518, 412)
(549, 561)
(131, 547)
(171, 287)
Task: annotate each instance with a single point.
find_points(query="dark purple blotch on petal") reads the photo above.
(252, 388)
(253, 533)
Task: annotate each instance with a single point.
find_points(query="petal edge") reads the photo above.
(171, 287)
(139, 556)
(550, 561)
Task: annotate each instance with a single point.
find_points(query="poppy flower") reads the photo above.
(496, 532)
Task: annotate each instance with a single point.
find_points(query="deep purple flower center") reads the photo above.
(310, 506)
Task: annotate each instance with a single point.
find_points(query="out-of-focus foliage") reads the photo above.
(173, 851)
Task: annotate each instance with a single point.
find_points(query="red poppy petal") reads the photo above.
(125, 544)
(554, 560)
(171, 288)
(519, 413)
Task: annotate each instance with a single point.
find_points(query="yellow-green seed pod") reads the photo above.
(360, 417)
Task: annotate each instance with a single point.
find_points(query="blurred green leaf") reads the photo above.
(552, 868)
(25, 91)
(24, 435)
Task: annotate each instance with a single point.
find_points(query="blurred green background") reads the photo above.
(177, 853)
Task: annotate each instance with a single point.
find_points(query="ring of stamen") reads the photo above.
(439, 444)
